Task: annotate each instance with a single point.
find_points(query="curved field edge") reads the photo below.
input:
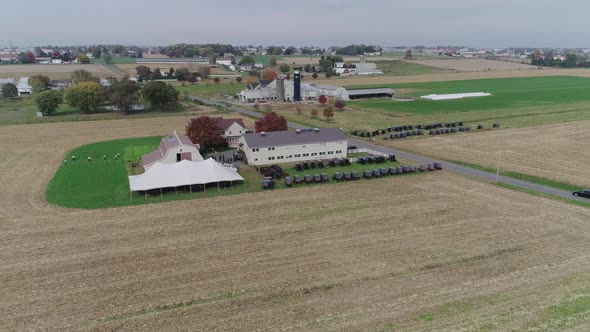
(103, 182)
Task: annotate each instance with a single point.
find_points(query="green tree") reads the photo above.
(328, 112)
(143, 71)
(124, 94)
(159, 94)
(182, 73)
(39, 83)
(247, 60)
(107, 57)
(9, 90)
(284, 68)
(81, 75)
(96, 53)
(85, 96)
(48, 101)
(204, 72)
(307, 68)
(157, 74)
(273, 61)
(82, 58)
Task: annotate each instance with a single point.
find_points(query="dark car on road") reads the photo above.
(582, 193)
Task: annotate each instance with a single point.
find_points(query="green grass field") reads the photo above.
(213, 90)
(508, 93)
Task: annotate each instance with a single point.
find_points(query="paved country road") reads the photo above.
(490, 177)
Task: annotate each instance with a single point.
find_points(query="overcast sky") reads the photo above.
(477, 23)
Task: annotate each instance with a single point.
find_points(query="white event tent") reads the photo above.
(183, 173)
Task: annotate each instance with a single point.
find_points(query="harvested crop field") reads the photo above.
(357, 81)
(451, 253)
(55, 72)
(559, 152)
(473, 64)
(165, 67)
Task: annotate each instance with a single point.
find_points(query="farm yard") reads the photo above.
(559, 152)
(53, 71)
(463, 64)
(444, 255)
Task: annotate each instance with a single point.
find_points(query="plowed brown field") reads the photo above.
(559, 152)
(436, 251)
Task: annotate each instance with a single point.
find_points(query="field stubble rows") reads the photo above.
(558, 152)
(369, 255)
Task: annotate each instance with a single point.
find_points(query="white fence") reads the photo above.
(372, 152)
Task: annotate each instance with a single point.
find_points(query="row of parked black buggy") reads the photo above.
(375, 159)
(399, 170)
(322, 163)
(268, 182)
(409, 130)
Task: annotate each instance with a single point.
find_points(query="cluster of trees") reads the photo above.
(196, 50)
(327, 63)
(329, 103)
(572, 60)
(271, 121)
(204, 131)
(357, 49)
(182, 74)
(88, 95)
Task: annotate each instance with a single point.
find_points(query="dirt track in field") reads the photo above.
(559, 152)
(378, 80)
(354, 256)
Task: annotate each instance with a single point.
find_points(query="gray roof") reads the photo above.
(280, 138)
(362, 92)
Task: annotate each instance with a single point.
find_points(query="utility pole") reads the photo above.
(498, 167)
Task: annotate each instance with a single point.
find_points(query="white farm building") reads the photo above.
(173, 149)
(292, 146)
(284, 90)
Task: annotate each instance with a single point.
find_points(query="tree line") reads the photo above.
(87, 95)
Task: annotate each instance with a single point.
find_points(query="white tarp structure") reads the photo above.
(456, 96)
(184, 173)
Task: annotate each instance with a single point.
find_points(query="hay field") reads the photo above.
(559, 152)
(55, 72)
(437, 251)
(165, 67)
(473, 64)
(350, 81)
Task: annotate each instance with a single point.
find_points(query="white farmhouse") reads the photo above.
(269, 91)
(173, 149)
(293, 146)
(231, 129)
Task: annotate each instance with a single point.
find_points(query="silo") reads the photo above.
(296, 86)
(280, 89)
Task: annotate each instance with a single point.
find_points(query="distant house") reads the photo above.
(173, 149)
(225, 62)
(8, 58)
(231, 129)
(104, 82)
(292, 146)
(23, 86)
(60, 84)
(56, 61)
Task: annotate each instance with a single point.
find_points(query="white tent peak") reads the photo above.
(183, 173)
